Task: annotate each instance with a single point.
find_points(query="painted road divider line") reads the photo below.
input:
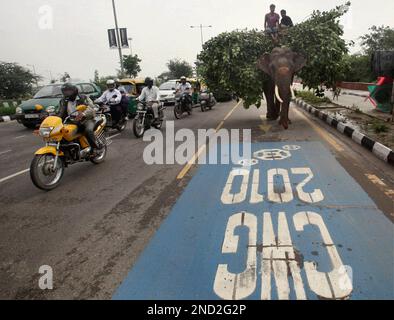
(27, 170)
(20, 137)
(4, 152)
(195, 157)
(14, 175)
(322, 133)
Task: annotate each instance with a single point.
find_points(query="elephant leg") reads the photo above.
(272, 106)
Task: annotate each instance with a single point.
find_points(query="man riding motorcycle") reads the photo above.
(112, 97)
(68, 105)
(151, 95)
(184, 87)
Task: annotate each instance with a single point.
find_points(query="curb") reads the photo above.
(7, 118)
(382, 152)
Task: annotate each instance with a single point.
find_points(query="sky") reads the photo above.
(57, 36)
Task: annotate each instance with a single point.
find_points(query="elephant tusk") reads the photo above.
(277, 94)
(292, 92)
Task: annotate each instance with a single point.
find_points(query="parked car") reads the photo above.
(32, 112)
(167, 92)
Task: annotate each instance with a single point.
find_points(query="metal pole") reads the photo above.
(131, 49)
(202, 37)
(118, 38)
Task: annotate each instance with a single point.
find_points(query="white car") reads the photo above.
(167, 92)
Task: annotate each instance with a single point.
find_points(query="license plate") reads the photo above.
(32, 116)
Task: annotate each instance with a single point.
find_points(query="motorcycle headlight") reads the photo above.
(19, 110)
(51, 109)
(45, 132)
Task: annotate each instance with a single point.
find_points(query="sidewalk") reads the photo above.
(357, 100)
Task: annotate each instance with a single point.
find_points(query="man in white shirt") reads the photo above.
(184, 86)
(112, 97)
(151, 95)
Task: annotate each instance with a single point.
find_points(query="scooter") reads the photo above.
(207, 101)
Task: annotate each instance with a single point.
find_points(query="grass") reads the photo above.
(7, 111)
(309, 97)
(378, 127)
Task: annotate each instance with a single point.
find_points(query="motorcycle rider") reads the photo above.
(151, 95)
(112, 97)
(124, 103)
(68, 105)
(119, 86)
(185, 87)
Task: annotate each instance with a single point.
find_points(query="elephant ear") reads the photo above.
(299, 62)
(264, 63)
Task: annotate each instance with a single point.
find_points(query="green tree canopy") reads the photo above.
(15, 81)
(379, 38)
(176, 69)
(131, 65)
(229, 61)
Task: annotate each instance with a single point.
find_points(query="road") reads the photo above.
(128, 230)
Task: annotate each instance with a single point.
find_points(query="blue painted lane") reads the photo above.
(294, 225)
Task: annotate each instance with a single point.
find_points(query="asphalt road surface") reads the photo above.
(128, 230)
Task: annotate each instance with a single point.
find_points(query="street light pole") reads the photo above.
(202, 36)
(131, 49)
(34, 71)
(118, 38)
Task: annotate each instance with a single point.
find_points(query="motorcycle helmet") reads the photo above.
(183, 79)
(70, 91)
(149, 82)
(111, 85)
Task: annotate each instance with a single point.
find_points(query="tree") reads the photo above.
(15, 81)
(229, 61)
(178, 68)
(102, 82)
(380, 38)
(359, 68)
(132, 65)
(65, 77)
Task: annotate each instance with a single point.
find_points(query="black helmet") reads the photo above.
(149, 82)
(70, 91)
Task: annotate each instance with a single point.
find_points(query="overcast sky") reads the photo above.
(78, 41)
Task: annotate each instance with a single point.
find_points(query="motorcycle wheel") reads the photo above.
(190, 110)
(100, 157)
(203, 107)
(122, 126)
(158, 125)
(41, 173)
(138, 128)
(178, 111)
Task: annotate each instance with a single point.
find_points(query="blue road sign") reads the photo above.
(288, 224)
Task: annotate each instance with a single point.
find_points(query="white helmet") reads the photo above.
(110, 82)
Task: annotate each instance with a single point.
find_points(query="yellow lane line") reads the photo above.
(194, 159)
(321, 132)
(378, 182)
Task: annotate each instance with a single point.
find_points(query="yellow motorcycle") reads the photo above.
(65, 146)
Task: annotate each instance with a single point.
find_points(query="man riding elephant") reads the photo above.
(281, 65)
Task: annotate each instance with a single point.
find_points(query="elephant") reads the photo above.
(281, 65)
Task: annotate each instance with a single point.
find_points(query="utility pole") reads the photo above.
(118, 38)
(34, 71)
(202, 36)
(131, 49)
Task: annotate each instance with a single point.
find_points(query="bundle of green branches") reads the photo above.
(229, 61)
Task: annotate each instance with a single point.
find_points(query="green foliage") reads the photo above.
(379, 127)
(15, 81)
(311, 98)
(359, 68)
(102, 82)
(176, 69)
(7, 111)
(229, 61)
(132, 65)
(65, 77)
(380, 38)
